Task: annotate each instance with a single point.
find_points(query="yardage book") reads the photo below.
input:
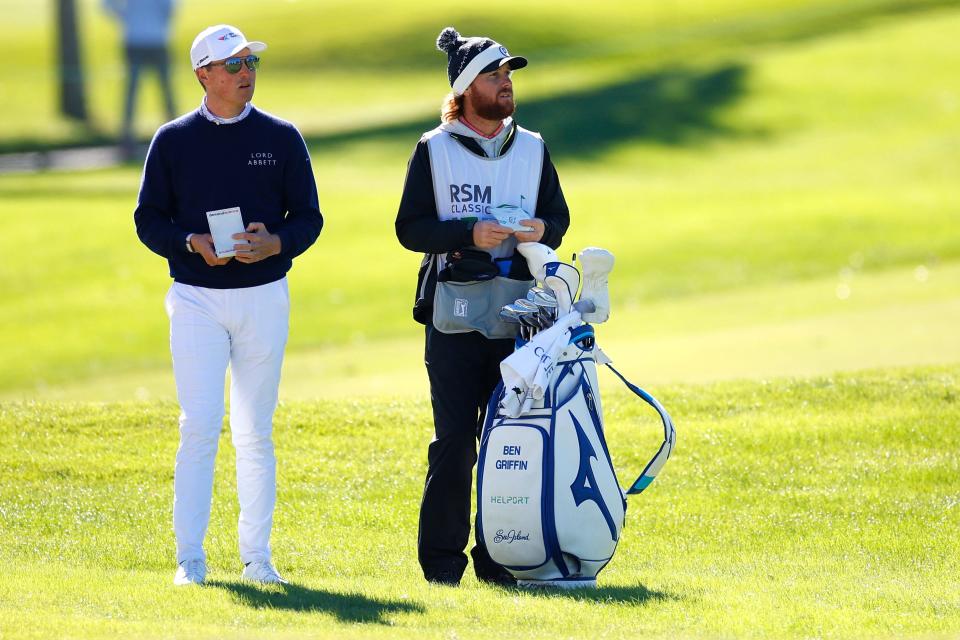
(223, 224)
(508, 215)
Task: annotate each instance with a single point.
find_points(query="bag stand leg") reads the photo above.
(569, 583)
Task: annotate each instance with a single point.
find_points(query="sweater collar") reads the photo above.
(480, 144)
(481, 134)
(461, 128)
(215, 119)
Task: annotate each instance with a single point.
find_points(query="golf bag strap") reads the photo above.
(669, 438)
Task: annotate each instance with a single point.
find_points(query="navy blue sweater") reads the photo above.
(259, 164)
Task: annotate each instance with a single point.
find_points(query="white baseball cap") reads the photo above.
(219, 42)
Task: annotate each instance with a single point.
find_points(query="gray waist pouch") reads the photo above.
(459, 307)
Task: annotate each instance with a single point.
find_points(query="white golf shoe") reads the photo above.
(190, 572)
(537, 255)
(564, 280)
(596, 264)
(262, 571)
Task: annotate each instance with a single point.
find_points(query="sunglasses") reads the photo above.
(232, 65)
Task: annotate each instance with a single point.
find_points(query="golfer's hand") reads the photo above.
(531, 236)
(202, 243)
(260, 243)
(488, 234)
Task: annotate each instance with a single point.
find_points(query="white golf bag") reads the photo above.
(550, 507)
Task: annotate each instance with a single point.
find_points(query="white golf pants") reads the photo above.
(209, 329)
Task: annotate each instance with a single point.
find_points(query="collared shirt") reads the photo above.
(215, 119)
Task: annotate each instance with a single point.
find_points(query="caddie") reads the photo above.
(475, 186)
(225, 310)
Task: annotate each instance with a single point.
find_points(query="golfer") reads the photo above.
(227, 310)
(476, 163)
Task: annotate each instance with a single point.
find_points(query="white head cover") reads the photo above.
(218, 43)
(537, 256)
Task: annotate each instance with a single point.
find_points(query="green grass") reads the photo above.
(825, 507)
(777, 179)
(369, 54)
(792, 168)
(890, 318)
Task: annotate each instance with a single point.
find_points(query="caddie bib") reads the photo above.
(466, 185)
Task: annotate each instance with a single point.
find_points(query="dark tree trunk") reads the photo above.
(73, 102)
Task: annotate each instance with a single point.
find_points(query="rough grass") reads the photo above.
(792, 508)
(777, 181)
(808, 165)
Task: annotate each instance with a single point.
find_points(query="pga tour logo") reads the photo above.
(460, 307)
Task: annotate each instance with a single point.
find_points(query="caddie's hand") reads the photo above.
(487, 234)
(260, 243)
(202, 243)
(531, 236)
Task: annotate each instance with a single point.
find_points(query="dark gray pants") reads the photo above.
(140, 57)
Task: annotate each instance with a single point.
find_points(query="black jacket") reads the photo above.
(419, 229)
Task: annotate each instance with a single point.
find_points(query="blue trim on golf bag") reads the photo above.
(656, 463)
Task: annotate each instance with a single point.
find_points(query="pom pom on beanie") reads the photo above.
(449, 41)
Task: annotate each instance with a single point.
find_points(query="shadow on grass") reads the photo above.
(670, 107)
(677, 106)
(758, 24)
(347, 607)
(636, 595)
(409, 48)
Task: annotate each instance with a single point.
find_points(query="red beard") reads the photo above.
(492, 109)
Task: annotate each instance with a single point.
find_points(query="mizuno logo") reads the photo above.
(584, 486)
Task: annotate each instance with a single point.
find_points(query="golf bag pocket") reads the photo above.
(459, 307)
(511, 520)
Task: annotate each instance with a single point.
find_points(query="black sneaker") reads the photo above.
(502, 578)
(449, 577)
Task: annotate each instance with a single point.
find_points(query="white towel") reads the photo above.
(527, 371)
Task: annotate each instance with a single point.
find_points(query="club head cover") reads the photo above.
(596, 264)
(564, 280)
(584, 306)
(537, 255)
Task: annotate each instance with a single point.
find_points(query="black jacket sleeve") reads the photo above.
(419, 229)
(551, 205)
(417, 225)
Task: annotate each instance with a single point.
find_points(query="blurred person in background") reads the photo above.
(146, 33)
(227, 311)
